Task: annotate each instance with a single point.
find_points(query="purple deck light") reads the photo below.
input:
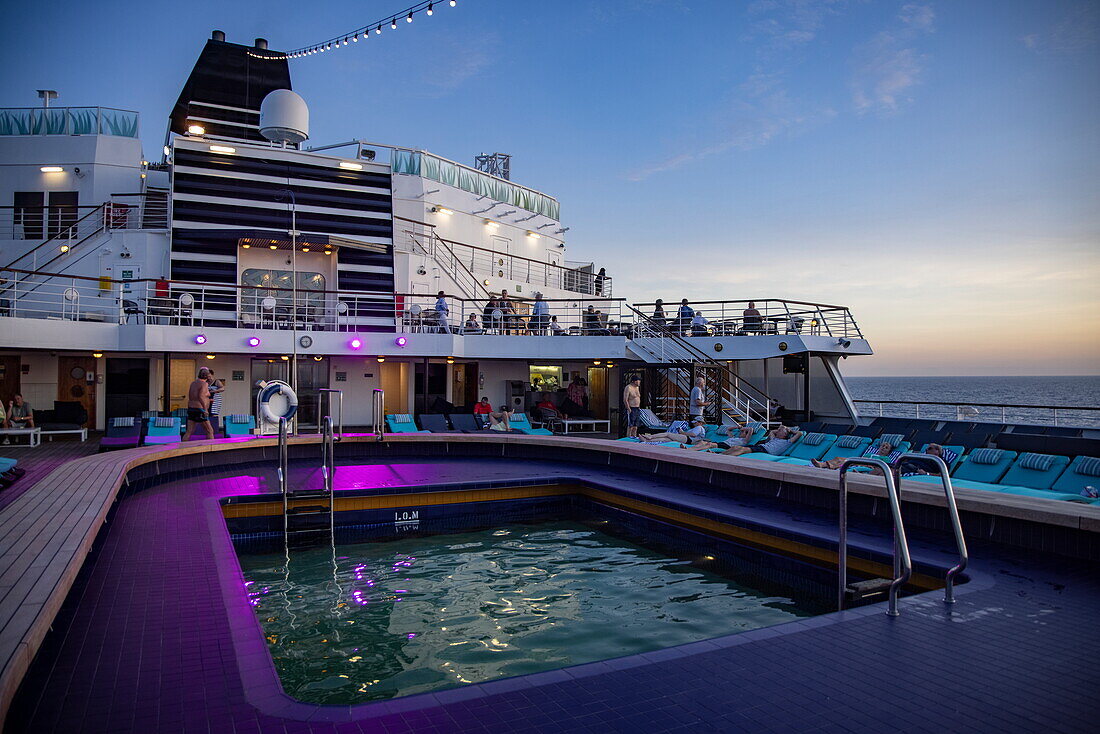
(400, 341)
(253, 341)
(200, 338)
(356, 343)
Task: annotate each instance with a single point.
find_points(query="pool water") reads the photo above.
(385, 619)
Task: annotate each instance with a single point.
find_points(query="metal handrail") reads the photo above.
(328, 453)
(380, 413)
(283, 470)
(903, 563)
(974, 415)
(952, 513)
(340, 404)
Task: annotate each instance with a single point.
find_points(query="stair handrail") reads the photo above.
(761, 398)
(903, 562)
(283, 471)
(455, 264)
(68, 231)
(952, 514)
(328, 455)
(379, 413)
(340, 404)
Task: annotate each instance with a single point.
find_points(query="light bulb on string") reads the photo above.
(409, 18)
(430, 11)
(454, 3)
(378, 29)
(393, 23)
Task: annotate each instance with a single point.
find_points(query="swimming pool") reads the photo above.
(499, 589)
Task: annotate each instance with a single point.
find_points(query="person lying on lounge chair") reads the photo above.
(738, 436)
(501, 417)
(691, 435)
(884, 450)
(916, 467)
(775, 442)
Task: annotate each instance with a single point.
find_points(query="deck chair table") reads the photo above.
(34, 435)
(578, 424)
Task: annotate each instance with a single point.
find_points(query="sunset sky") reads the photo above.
(933, 165)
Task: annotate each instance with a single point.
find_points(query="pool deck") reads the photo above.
(152, 636)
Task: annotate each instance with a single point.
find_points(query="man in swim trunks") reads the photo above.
(632, 401)
(198, 405)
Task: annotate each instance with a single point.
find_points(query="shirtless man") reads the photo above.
(632, 401)
(198, 405)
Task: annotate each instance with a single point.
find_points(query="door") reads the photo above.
(76, 382)
(312, 376)
(502, 259)
(597, 392)
(9, 379)
(127, 387)
(62, 211)
(28, 215)
(395, 383)
(181, 373)
(464, 385)
(436, 387)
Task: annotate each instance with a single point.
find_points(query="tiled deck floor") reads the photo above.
(143, 645)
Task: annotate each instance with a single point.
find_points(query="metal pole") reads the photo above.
(167, 401)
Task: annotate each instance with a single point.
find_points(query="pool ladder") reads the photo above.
(903, 562)
(304, 522)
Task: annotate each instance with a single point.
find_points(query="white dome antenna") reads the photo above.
(284, 117)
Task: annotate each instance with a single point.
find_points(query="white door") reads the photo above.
(502, 259)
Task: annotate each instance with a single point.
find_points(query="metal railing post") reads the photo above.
(380, 413)
(903, 563)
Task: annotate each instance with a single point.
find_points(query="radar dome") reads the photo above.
(284, 117)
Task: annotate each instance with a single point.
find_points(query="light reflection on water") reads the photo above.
(476, 606)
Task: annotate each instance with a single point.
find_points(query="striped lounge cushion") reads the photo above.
(894, 439)
(814, 439)
(754, 426)
(949, 456)
(239, 418)
(1038, 462)
(122, 422)
(164, 422)
(985, 456)
(848, 442)
(1089, 466)
(872, 453)
(678, 427)
(402, 418)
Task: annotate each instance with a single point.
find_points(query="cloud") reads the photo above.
(1077, 31)
(463, 63)
(761, 111)
(785, 24)
(884, 72)
(918, 17)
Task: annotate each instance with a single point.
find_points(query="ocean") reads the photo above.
(1053, 391)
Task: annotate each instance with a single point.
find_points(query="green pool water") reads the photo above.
(385, 619)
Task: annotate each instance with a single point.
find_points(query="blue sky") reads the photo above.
(933, 165)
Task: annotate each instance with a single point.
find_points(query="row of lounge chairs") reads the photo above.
(10, 472)
(128, 432)
(457, 423)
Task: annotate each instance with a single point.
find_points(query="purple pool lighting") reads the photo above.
(253, 341)
(355, 343)
(200, 338)
(400, 341)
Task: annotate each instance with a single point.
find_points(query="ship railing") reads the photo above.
(1040, 415)
(69, 298)
(483, 262)
(421, 313)
(777, 316)
(69, 121)
(43, 222)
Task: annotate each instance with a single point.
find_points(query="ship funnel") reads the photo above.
(284, 117)
(217, 36)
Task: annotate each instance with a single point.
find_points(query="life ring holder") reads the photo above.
(272, 389)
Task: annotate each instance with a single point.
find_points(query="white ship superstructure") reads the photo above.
(321, 263)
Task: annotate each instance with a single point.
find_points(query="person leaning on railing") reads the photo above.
(540, 316)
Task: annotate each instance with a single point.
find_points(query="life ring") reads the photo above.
(273, 389)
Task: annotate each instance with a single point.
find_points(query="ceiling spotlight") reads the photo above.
(381, 359)
(285, 358)
(273, 247)
(64, 248)
(97, 355)
(450, 360)
(210, 356)
(318, 358)
(491, 224)
(442, 210)
(596, 362)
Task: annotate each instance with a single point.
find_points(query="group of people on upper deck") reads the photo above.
(688, 321)
(500, 316)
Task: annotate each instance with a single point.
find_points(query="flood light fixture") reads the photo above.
(52, 169)
(401, 341)
(196, 130)
(200, 339)
(253, 341)
(356, 343)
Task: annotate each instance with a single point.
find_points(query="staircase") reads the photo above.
(679, 363)
(448, 262)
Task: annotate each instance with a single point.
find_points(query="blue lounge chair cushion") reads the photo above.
(6, 464)
(850, 442)
(814, 439)
(837, 450)
(982, 469)
(807, 451)
(1083, 472)
(894, 439)
(521, 423)
(986, 456)
(760, 456)
(165, 422)
(1027, 471)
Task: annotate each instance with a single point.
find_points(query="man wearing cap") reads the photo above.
(697, 432)
(632, 403)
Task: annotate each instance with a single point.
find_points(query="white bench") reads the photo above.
(580, 422)
(34, 435)
(82, 432)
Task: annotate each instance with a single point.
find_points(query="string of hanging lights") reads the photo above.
(362, 34)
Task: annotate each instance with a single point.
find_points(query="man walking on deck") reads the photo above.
(632, 402)
(198, 405)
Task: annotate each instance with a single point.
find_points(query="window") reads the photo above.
(545, 378)
(259, 283)
(28, 215)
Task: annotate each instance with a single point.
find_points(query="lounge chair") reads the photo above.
(519, 422)
(159, 431)
(1083, 472)
(984, 465)
(811, 446)
(123, 432)
(402, 423)
(239, 425)
(435, 423)
(847, 446)
(466, 422)
(649, 421)
(1036, 471)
